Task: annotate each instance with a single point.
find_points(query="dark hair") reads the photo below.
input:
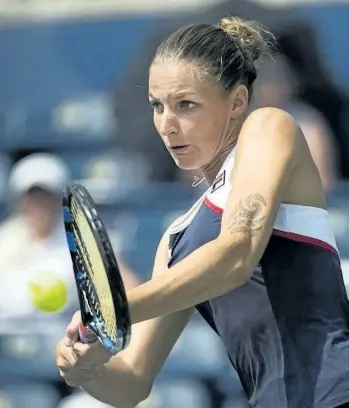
(226, 52)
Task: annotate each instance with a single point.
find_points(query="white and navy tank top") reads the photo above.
(286, 331)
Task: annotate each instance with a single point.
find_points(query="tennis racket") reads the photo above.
(103, 303)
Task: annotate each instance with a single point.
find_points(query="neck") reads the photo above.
(225, 147)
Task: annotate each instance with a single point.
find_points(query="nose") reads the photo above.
(168, 124)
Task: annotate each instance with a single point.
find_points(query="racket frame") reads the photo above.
(123, 321)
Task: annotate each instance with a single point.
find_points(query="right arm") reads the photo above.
(127, 379)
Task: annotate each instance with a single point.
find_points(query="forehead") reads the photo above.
(175, 77)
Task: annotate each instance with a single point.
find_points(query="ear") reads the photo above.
(239, 101)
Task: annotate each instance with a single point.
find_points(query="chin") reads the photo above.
(185, 164)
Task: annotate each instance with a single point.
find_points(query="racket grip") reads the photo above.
(86, 335)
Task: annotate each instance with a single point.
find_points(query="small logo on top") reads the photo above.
(218, 182)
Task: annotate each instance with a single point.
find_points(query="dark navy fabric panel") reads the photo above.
(286, 329)
(204, 228)
(308, 297)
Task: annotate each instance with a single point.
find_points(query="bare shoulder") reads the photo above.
(270, 115)
(271, 124)
(274, 137)
(271, 132)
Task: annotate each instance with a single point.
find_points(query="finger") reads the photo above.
(90, 356)
(69, 355)
(79, 349)
(64, 355)
(82, 348)
(72, 331)
(67, 360)
(79, 378)
(99, 353)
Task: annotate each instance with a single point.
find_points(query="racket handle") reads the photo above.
(86, 335)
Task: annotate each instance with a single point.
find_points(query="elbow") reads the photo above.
(241, 273)
(140, 392)
(131, 400)
(238, 265)
(144, 392)
(244, 267)
(236, 274)
(246, 273)
(133, 393)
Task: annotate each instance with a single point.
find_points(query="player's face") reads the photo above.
(191, 115)
(40, 209)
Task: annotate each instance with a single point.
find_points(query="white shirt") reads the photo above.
(22, 259)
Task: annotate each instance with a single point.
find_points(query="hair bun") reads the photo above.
(252, 39)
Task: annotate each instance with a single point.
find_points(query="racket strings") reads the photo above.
(94, 263)
(87, 284)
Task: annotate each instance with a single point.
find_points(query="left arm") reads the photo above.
(266, 153)
(322, 148)
(129, 277)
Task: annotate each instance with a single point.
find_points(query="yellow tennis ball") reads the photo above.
(48, 292)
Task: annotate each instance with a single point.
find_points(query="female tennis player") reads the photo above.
(255, 255)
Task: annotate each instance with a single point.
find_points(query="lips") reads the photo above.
(179, 148)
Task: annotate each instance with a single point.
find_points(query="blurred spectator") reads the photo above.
(277, 86)
(32, 239)
(33, 242)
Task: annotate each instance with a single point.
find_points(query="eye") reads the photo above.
(157, 106)
(187, 104)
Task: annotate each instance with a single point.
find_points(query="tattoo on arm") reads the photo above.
(248, 216)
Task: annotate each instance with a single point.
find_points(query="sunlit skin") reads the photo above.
(198, 116)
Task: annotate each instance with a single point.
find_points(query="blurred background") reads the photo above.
(73, 106)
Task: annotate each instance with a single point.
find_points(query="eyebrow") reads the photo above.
(180, 94)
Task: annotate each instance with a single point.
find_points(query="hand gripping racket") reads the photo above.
(103, 303)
